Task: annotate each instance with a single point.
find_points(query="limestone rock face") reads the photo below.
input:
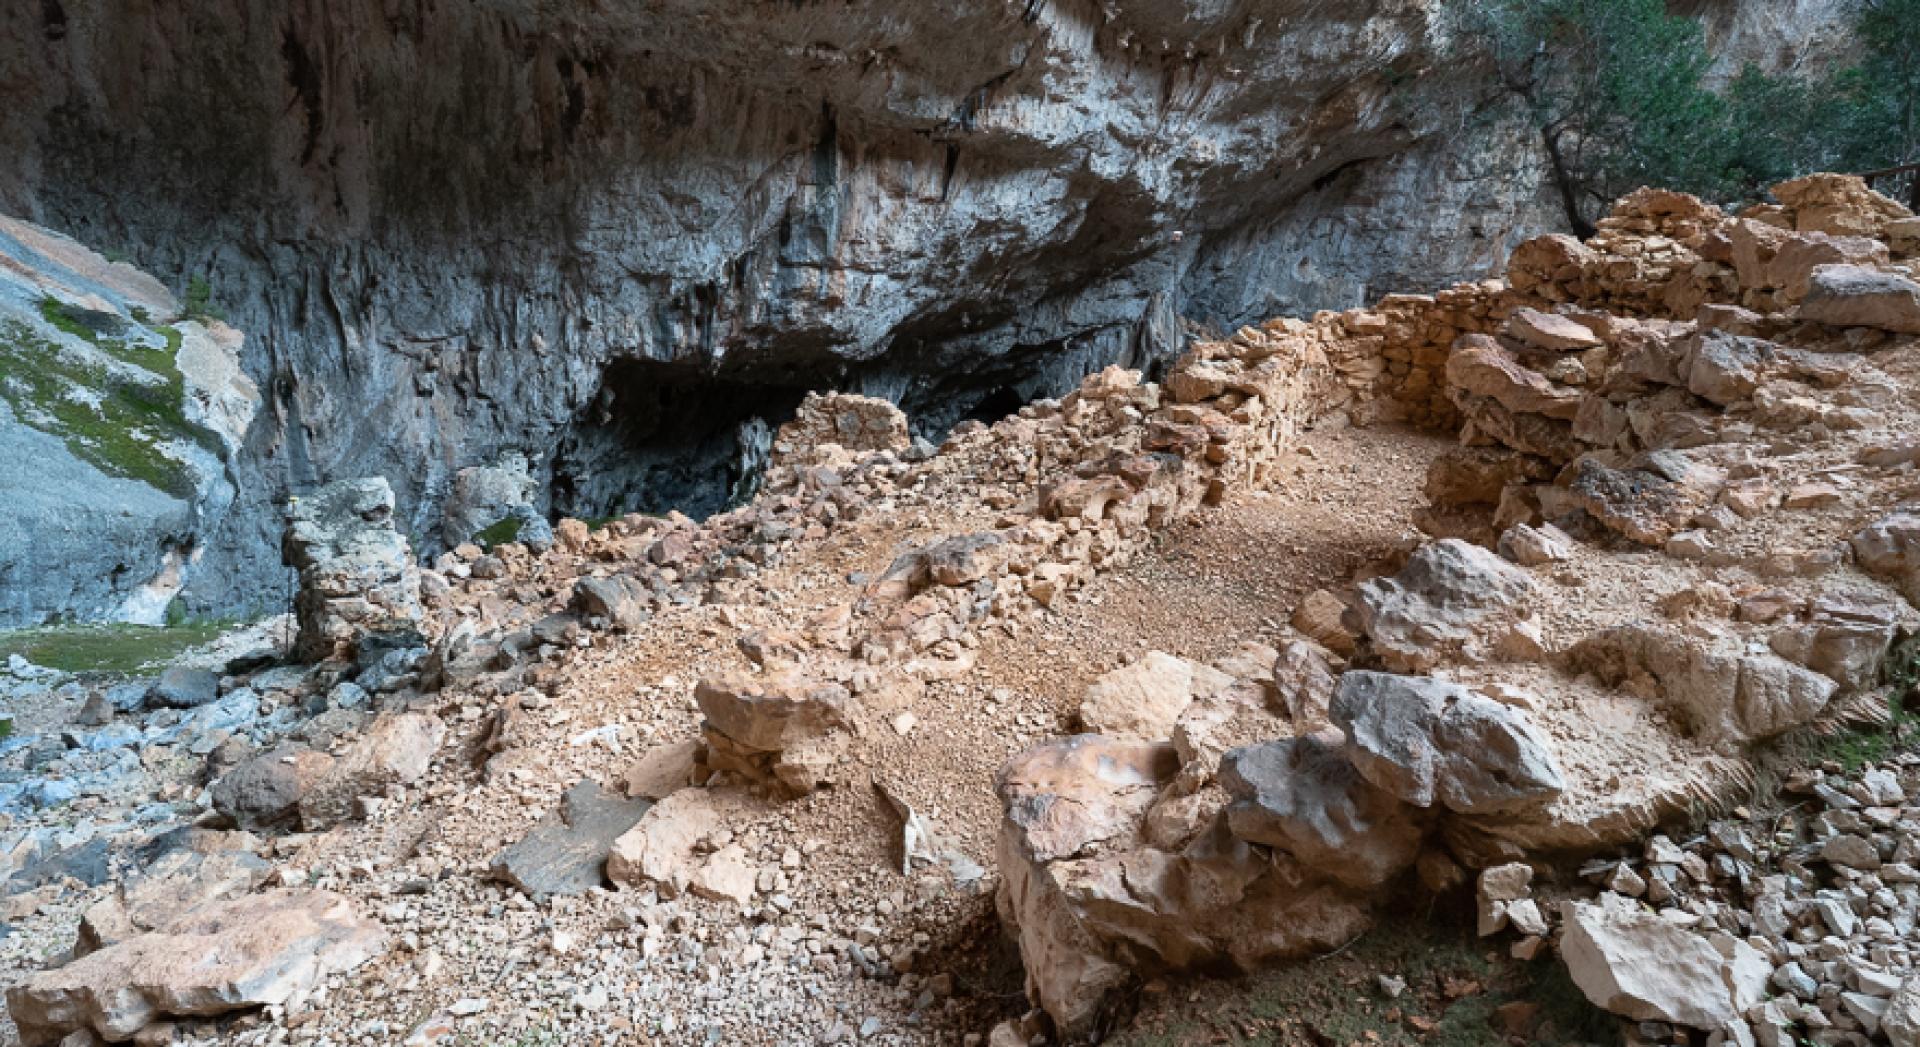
(108, 510)
(357, 573)
(1429, 742)
(1640, 966)
(1452, 597)
(730, 241)
(261, 949)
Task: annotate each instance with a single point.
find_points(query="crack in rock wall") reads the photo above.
(442, 225)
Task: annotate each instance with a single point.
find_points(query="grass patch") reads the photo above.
(1858, 748)
(111, 649)
(114, 421)
(499, 534)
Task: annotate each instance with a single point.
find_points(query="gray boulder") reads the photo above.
(1452, 597)
(184, 688)
(1303, 796)
(1427, 741)
(1857, 296)
(265, 792)
(567, 852)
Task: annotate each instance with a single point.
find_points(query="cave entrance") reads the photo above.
(660, 437)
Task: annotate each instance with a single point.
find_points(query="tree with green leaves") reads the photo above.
(1614, 88)
(1877, 101)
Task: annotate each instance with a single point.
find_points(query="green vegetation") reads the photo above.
(199, 301)
(499, 534)
(115, 421)
(1858, 748)
(1618, 92)
(115, 649)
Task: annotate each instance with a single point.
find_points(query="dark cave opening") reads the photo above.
(660, 437)
(998, 403)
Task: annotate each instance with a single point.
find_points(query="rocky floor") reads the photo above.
(786, 777)
(785, 968)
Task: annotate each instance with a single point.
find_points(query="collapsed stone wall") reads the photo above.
(1165, 847)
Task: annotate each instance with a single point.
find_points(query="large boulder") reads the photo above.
(1143, 700)
(265, 792)
(1857, 296)
(670, 848)
(621, 601)
(177, 872)
(1095, 907)
(184, 687)
(357, 573)
(1430, 742)
(485, 495)
(1303, 796)
(1452, 598)
(269, 949)
(1636, 964)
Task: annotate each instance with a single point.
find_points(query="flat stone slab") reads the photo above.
(567, 852)
(255, 951)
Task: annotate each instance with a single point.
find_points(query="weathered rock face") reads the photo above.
(617, 238)
(120, 421)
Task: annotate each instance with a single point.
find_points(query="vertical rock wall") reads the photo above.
(442, 226)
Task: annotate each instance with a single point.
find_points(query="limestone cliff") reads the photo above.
(614, 237)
